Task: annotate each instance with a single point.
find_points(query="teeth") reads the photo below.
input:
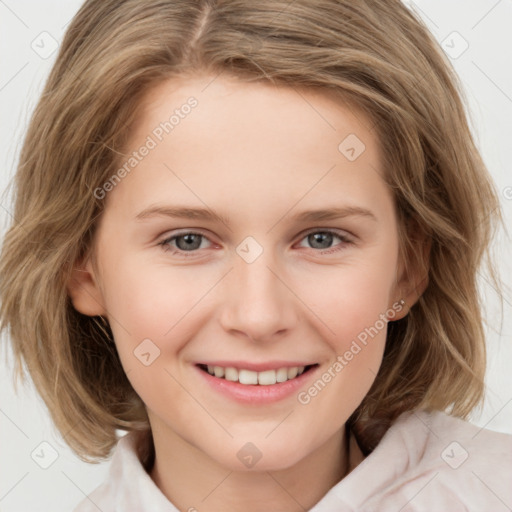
(247, 377)
(282, 375)
(231, 374)
(265, 378)
(292, 372)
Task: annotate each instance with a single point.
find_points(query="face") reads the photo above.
(254, 237)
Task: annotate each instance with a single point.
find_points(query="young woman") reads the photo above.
(248, 233)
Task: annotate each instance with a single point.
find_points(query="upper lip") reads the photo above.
(256, 367)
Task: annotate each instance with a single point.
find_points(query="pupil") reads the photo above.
(316, 238)
(189, 241)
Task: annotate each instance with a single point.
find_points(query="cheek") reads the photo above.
(351, 307)
(352, 311)
(155, 311)
(350, 301)
(149, 301)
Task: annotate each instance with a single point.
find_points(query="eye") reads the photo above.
(183, 243)
(323, 240)
(189, 242)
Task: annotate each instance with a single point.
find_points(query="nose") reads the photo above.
(257, 302)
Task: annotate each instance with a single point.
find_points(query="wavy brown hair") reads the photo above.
(376, 55)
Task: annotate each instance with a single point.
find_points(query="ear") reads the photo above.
(413, 269)
(84, 291)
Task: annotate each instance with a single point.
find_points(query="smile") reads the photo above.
(249, 377)
(254, 384)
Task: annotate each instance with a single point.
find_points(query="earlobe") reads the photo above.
(84, 291)
(410, 298)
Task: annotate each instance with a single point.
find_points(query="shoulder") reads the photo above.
(450, 464)
(430, 461)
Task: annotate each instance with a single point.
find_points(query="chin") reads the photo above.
(252, 457)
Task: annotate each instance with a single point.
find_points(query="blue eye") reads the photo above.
(187, 243)
(184, 242)
(319, 238)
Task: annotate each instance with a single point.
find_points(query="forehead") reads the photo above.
(258, 110)
(219, 137)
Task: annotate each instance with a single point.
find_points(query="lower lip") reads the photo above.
(257, 394)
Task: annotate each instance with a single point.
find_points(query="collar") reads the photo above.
(415, 450)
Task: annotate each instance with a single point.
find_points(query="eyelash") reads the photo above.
(344, 239)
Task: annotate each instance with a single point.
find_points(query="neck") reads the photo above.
(193, 481)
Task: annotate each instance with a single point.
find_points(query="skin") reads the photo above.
(257, 154)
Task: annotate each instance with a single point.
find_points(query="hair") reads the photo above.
(377, 56)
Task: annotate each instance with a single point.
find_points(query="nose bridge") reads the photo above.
(259, 304)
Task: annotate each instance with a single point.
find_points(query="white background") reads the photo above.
(485, 69)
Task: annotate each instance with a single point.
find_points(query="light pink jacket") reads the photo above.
(425, 462)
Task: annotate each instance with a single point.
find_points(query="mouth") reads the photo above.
(254, 378)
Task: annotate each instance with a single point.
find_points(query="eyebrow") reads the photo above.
(206, 214)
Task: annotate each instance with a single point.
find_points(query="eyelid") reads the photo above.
(185, 231)
(339, 232)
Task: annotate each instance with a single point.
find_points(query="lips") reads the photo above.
(259, 387)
